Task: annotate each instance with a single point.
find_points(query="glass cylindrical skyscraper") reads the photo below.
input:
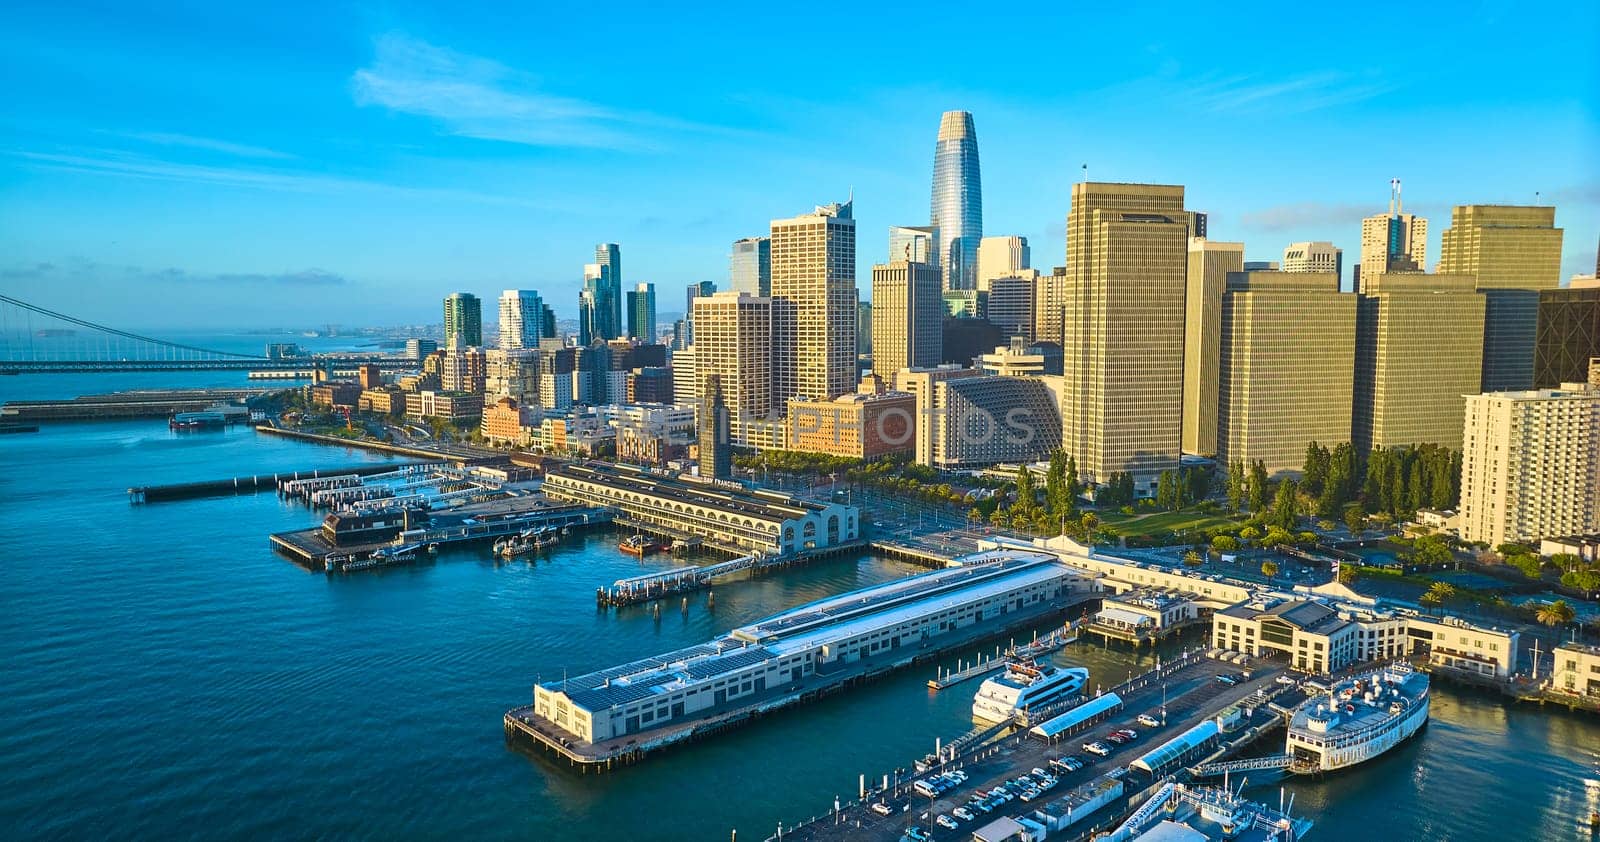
(957, 200)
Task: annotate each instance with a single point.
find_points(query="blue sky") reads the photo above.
(218, 164)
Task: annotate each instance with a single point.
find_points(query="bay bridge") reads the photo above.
(38, 340)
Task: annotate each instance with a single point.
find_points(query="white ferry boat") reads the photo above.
(1025, 685)
(1358, 719)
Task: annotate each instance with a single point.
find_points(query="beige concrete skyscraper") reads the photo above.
(1001, 257)
(1530, 465)
(1320, 256)
(1122, 402)
(1419, 348)
(1514, 252)
(733, 335)
(907, 316)
(1392, 242)
(1206, 277)
(814, 304)
(1049, 305)
(1286, 368)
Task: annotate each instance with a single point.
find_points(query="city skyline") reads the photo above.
(401, 191)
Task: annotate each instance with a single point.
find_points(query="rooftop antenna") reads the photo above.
(1085, 173)
(1536, 197)
(1396, 205)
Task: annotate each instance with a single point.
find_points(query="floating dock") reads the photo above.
(313, 549)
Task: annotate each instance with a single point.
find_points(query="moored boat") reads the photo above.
(640, 545)
(1357, 719)
(1026, 685)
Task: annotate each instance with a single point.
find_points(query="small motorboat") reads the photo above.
(640, 545)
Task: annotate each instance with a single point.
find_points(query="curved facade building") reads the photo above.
(957, 200)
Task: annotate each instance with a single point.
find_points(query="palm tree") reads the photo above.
(1193, 558)
(1557, 613)
(1439, 593)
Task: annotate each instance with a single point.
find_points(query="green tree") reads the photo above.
(1193, 558)
(1250, 533)
(1225, 544)
(1355, 520)
(1314, 470)
(1276, 537)
(1074, 482)
(1528, 563)
(1284, 506)
(1269, 569)
(1587, 581)
(1026, 497)
(1196, 484)
(1431, 550)
(1258, 487)
(1557, 613)
(1348, 574)
(1237, 484)
(1055, 484)
(1439, 593)
(1167, 494)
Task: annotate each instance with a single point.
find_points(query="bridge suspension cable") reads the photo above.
(74, 320)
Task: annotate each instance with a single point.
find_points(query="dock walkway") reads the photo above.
(1033, 649)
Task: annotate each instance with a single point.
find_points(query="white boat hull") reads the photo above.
(1334, 758)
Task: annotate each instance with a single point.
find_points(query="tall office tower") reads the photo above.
(1011, 302)
(521, 319)
(734, 340)
(1001, 257)
(750, 266)
(1286, 368)
(1205, 281)
(642, 312)
(1392, 242)
(1126, 262)
(957, 200)
(1419, 349)
(914, 244)
(907, 316)
(1049, 305)
(716, 457)
(1568, 333)
(608, 260)
(1530, 465)
(1514, 252)
(463, 320)
(863, 328)
(1320, 256)
(814, 304)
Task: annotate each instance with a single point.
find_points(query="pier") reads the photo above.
(132, 404)
(681, 580)
(312, 548)
(244, 485)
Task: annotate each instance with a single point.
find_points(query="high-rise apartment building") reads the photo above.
(1419, 349)
(1286, 368)
(814, 304)
(734, 341)
(513, 373)
(750, 266)
(642, 312)
(521, 319)
(863, 328)
(1205, 280)
(1319, 256)
(1567, 335)
(1049, 305)
(1124, 330)
(1514, 252)
(463, 320)
(914, 244)
(957, 207)
(1530, 465)
(464, 369)
(600, 302)
(1392, 242)
(907, 316)
(1001, 257)
(683, 330)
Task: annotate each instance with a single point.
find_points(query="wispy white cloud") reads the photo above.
(1290, 95)
(119, 163)
(210, 144)
(1305, 214)
(79, 271)
(480, 98)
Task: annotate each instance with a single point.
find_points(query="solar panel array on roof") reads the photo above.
(608, 696)
(730, 662)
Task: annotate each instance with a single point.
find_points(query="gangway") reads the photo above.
(667, 582)
(1252, 764)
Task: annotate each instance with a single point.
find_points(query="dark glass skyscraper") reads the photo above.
(600, 302)
(957, 200)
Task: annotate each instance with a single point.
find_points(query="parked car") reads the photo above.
(1149, 721)
(1127, 732)
(1286, 678)
(882, 809)
(963, 814)
(916, 834)
(1100, 749)
(946, 821)
(1227, 679)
